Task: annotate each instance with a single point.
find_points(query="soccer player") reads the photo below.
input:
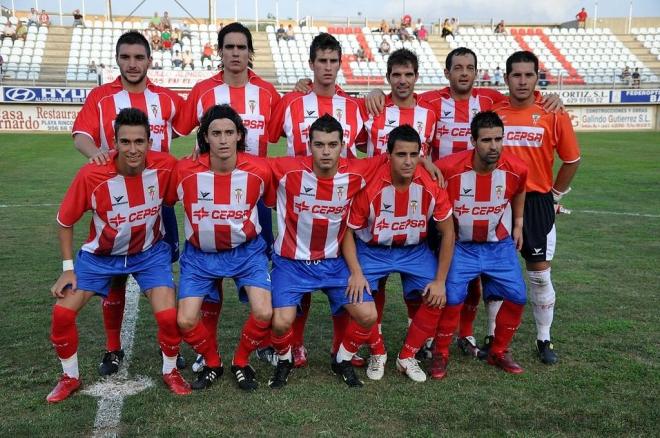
(93, 136)
(487, 190)
(313, 195)
(220, 191)
(125, 196)
(391, 217)
(534, 135)
(254, 99)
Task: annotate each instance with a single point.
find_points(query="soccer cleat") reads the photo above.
(110, 362)
(358, 361)
(505, 362)
(485, 348)
(376, 368)
(426, 352)
(410, 367)
(245, 377)
(65, 387)
(180, 361)
(468, 345)
(176, 383)
(299, 356)
(199, 364)
(281, 374)
(347, 372)
(439, 366)
(206, 377)
(267, 355)
(546, 352)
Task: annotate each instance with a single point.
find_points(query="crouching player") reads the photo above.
(391, 217)
(220, 191)
(486, 187)
(125, 196)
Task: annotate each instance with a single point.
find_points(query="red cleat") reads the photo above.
(439, 366)
(358, 361)
(505, 362)
(299, 356)
(64, 388)
(176, 383)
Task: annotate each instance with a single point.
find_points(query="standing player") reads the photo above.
(534, 135)
(93, 136)
(487, 189)
(391, 217)
(125, 196)
(220, 191)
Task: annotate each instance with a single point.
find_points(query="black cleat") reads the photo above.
(546, 352)
(281, 374)
(267, 355)
(346, 371)
(206, 377)
(180, 361)
(110, 362)
(485, 348)
(245, 377)
(468, 345)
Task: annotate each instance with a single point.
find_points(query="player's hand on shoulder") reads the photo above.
(552, 103)
(434, 294)
(357, 284)
(101, 158)
(67, 280)
(436, 174)
(303, 85)
(375, 102)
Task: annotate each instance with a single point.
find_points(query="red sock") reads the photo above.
(113, 315)
(254, 332)
(200, 340)
(301, 320)
(169, 336)
(355, 336)
(446, 328)
(210, 313)
(63, 331)
(421, 328)
(412, 306)
(376, 344)
(470, 306)
(506, 324)
(339, 324)
(282, 344)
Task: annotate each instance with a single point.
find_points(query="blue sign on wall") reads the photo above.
(44, 94)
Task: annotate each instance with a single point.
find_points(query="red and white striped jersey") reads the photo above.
(383, 215)
(220, 211)
(254, 102)
(126, 216)
(311, 211)
(482, 203)
(97, 117)
(454, 116)
(377, 128)
(296, 112)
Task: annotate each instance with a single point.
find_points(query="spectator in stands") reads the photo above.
(418, 26)
(156, 66)
(500, 29)
(187, 59)
(92, 68)
(485, 78)
(384, 48)
(422, 34)
(21, 31)
(78, 18)
(636, 78)
(156, 41)
(361, 55)
(185, 30)
(290, 35)
(207, 51)
(177, 60)
(166, 38)
(281, 33)
(404, 35)
(543, 81)
(497, 77)
(9, 31)
(165, 23)
(625, 76)
(454, 25)
(44, 18)
(447, 29)
(155, 23)
(581, 18)
(384, 28)
(33, 19)
(176, 36)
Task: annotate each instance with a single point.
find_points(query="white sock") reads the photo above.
(542, 296)
(343, 354)
(492, 307)
(70, 366)
(169, 364)
(286, 356)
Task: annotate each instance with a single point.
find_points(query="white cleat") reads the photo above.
(410, 367)
(376, 367)
(199, 364)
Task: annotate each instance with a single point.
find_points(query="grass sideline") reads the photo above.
(606, 275)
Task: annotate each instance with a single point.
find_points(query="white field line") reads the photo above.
(112, 391)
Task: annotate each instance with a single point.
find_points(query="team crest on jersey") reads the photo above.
(536, 118)
(338, 113)
(498, 191)
(413, 206)
(340, 192)
(154, 110)
(420, 127)
(252, 104)
(152, 192)
(238, 194)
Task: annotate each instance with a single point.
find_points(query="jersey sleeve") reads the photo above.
(358, 215)
(567, 145)
(88, 119)
(186, 118)
(77, 200)
(170, 178)
(442, 208)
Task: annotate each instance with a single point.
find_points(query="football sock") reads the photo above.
(113, 315)
(423, 325)
(339, 323)
(169, 363)
(469, 310)
(376, 344)
(282, 345)
(70, 366)
(492, 307)
(169, 336)
(542, 296)
(355, 336)
(446, 328)
(508, 320)
(200, 340)
(210, 312)
(63, 331)
(301, 320)
(254, 332)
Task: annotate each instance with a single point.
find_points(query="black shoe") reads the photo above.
(206, 377)
(485, 348)
(267, 355)
(346, 371)
(424, 353)
(281, 374)
(546, 352)
(468, 345)
(180, 361)
(245, 377)
(110, 362)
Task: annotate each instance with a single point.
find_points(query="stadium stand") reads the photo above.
(23, 59)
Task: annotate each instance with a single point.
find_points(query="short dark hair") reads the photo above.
(402, 57)
(133, 37)
(237, 28)
(484, 119)
(324, 41)
(522, 56)
(326, 123)
(216, 112)
(403, 133)
(132, 117)
(459, 51)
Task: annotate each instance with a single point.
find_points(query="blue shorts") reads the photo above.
(150, 268)
(246, 264)
(171, 231)
(294, 278)
(266, 222)
(416, 263)
(496, 262)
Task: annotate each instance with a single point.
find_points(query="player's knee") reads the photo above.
(367, 318)
(281, 323)
(541, 291)
(263, 313)
(186, 322)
